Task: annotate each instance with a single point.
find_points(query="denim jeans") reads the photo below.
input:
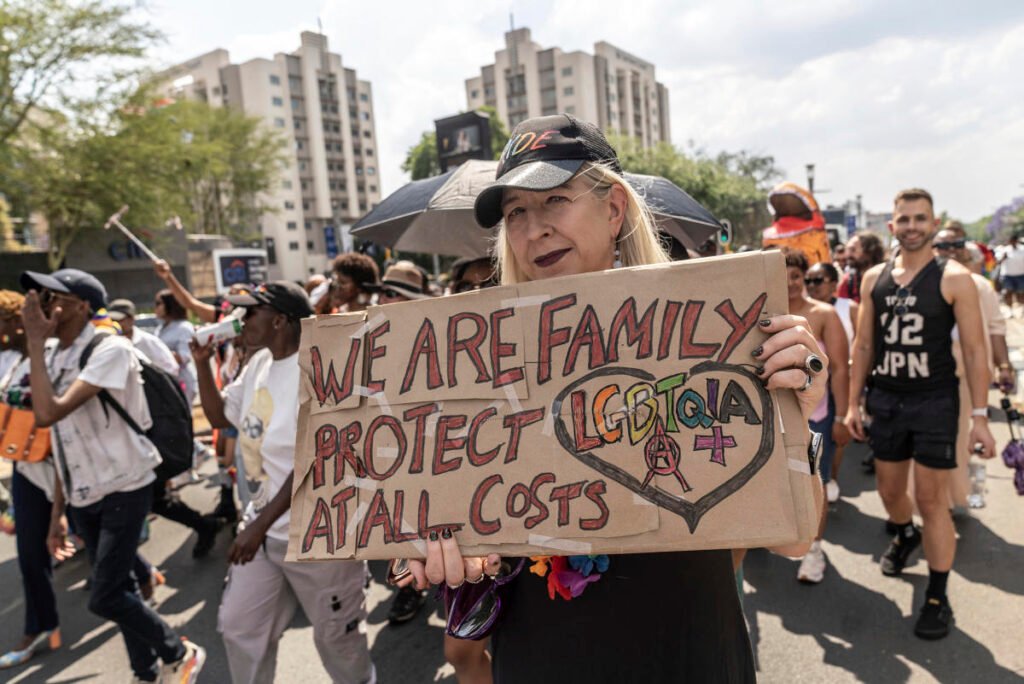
(32, 522)
(110, 529)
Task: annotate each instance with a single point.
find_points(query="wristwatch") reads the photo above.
(815, 447)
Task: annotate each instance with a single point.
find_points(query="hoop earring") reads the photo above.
(618, 259)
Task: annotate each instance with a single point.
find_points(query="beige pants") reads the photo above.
(260, 599)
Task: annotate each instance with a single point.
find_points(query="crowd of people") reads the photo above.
(896, 347)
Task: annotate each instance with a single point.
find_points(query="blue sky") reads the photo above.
(878, 95)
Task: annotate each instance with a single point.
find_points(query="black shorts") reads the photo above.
(921, 426)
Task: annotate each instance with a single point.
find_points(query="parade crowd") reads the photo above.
(893, 340)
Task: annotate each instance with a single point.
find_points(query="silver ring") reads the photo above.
(478, 580)
(814, 364)
(806, 385)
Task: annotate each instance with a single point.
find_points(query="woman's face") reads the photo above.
(795, 282)
(564, 231)
(346, 289)
(819, 285)
(11, 332)
(158, 309)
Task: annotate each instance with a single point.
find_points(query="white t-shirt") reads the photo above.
(1013, 260)
(263, 403)
(176, 335)
(155, 350)
(98, 453)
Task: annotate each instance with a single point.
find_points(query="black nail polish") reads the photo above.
(759, 370)
(433, 535)
(447, 533)
(765, 323)
(757, 352)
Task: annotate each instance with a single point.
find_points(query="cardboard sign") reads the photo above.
(607, 412)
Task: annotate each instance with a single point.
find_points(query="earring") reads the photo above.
(618, 259)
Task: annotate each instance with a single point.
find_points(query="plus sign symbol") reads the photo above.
(716, 443)
(662, 456)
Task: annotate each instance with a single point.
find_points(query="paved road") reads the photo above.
(855, 626)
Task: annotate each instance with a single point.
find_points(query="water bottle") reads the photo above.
(228, 329)
(976, 470)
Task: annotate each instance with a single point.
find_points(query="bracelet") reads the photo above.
(979, 412)
(1005, 366)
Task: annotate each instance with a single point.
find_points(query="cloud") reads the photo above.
(878, 95)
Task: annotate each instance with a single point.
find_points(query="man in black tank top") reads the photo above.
(903, 351)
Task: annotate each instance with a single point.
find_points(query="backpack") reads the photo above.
(171, 432)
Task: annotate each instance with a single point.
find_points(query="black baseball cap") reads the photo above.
(543, 153)
(283, 295)
(69, 281)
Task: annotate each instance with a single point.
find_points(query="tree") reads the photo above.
(422, 160)
(730, 186)
(207, 165)
(63, 56)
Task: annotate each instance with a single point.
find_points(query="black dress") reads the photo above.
(663, 617)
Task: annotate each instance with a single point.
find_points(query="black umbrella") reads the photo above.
(435, 215)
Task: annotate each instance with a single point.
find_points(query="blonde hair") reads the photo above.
(10, 303)
(638, 242)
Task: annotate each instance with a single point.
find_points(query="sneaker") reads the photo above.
(896, 556)
(407, 603)
(186, 670)
(832, 491)
(812, 567)
(935, 619)
(207, 537)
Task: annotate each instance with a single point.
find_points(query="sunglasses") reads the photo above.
(393, 294)
(467, 286)
(955, 244)
(474, 609)
(47, 297)
(902, 295)
(814, 281)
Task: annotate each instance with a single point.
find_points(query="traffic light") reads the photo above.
(725, 233)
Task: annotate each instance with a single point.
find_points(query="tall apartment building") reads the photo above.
(611, 88)
(326, 115)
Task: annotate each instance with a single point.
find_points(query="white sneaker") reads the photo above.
(832, 491)
(186, 670)
(812, 567)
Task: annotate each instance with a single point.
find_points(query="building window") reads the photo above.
(568, 90)
(473, 94)
(366, 134)
(295, 103)
(302, 166)
(299, 145)
(363, 97)
(344, 206)
(293, 225)
(309, 245)
(288, 204)
(287, 185)
(373, 188)
(570, 109)
(305, 206)
(371, 171)
(293, 246)
(365, 116)
(368, 152)
(271, 251)
(277, 102)
(359, 170)
(567, 71)
(274, 80)
(488, 91)
(362, 206)
(298, 124)
(309, 225)
(279, 122)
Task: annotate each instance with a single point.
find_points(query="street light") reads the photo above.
(810, 178)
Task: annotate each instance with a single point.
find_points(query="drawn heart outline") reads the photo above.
(691, 512)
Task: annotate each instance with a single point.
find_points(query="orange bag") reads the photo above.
(20, 439)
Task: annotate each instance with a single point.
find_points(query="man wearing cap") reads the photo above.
(263, 590)
(105, 468)
(123, 311)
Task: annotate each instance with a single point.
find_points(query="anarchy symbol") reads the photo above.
(662, 456)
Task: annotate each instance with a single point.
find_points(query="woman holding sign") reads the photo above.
(565, 209)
